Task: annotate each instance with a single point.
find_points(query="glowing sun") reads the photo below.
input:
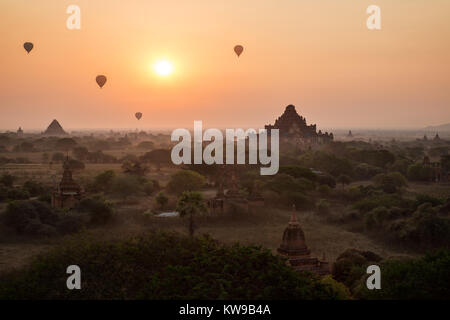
(163, 68)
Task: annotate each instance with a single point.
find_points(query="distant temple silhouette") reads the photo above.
(55, 129)
(293, 129)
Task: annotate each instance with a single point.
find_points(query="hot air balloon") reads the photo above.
(238, 49)
(28, 46)
(138, 115)
(101, 80)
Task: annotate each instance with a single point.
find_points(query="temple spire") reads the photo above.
(294, 219)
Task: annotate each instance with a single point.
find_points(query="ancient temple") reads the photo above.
(255, 199)
(55, 129)
(216, 204)
(294, 129)
(68, 192)
(293, 247)
(232, 200)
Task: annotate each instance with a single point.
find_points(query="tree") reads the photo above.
(65, 144)
(29, 216)
(104, 180)
(135, 168)
(80, 153)
(426, 278)
(185, 180)
(99, 210)
(157, 157)
(190, 205)
(126, 186)
(418, 172)
(153, 267)
(344, 180)
(162, 199)
(390, 182)
(7, 180)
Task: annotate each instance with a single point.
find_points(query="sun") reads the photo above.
(163, 68)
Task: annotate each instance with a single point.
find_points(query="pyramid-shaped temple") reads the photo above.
(55, 129)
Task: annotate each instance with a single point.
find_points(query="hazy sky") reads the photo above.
(317, 55)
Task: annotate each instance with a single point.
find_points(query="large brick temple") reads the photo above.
(293, 129)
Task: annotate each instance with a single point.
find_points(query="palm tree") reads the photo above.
(191, 204)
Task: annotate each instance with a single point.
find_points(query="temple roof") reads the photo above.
(290, 123)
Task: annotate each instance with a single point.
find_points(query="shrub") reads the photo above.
(100, 212)
(33, 188)
(126, 186)
(351, 265)
(27, 216)
(327, 179)
(424, 198)
(418, 172)
(162, 199)
(17, 194)
(324, 190)
(103, 181)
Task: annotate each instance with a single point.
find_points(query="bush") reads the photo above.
(126, 186)
(164, 266)
(34, 188)
(424, 198)
(390, 182)
(103, 181)
(100, 212)
(351, 265)
(162, 199)
(364, 171)
(28, 216)
(376, 217)
(324, 190)
(17, 194)
(327, 179)
(418, 172)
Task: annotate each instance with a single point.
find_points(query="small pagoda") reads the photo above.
(67, 194)
(293, 247)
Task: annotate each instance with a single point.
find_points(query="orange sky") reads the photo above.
(317, 55)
